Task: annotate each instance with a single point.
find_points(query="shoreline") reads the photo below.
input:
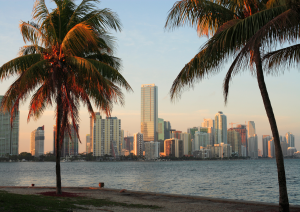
(169, 202)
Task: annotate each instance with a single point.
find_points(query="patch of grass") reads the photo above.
(36, 203)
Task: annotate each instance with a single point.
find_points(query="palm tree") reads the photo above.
(69, 60)
(229, 36)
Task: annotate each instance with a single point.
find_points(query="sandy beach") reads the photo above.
(167, 202)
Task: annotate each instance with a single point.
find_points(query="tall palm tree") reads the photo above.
(69, 60)
(229, 37)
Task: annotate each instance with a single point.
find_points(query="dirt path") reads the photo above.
(169, 203)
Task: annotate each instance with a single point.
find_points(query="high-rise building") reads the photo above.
(161, 129)
(192, 131)
(37, 139)
(9, 136)
(88, 144)
(234, 139)
(138, 144)
(210, 123)
(187, 145)
(220, 128)
(149, 112)
(242, 129)
(244, 151)
(69, 146)
(152, 150)
(225, 150)
(128, 143)
(265, 139)
(251, 128)
(290, 139)
(167, 128)
(201, 139)
(176, 134)
(253, 146)
(107, 136)
(178, 148)
(271, 148)
(291, 151)
(284, 147)
(169, 147)
(122, 140)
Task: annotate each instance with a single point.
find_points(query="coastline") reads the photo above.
(167, 202)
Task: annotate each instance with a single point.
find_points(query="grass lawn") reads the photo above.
(35, 203)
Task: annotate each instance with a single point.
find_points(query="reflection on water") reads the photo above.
(254, 180)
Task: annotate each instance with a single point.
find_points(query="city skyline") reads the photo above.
(157, 56)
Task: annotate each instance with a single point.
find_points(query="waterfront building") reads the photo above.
(169, 147)
(215, 150)
(291, 151)
(271, 148)
(107, 136)
(161, 133)
(253, 146)
(284, 147)
(202, 153)
(259, 153)
(128, 143)
(220, 128)
(244, 151)
(265, 139)
(149, 112)
(187, 144)
(37, 139)
(234, 139)
(88, 144)
(9, 136)
(210, 124)
(192, 131)
(226, 150)
(290, 139)
(167, 130)
(178, 148)
(152, 150)
(176, 134)
(251, 128)
(282, 138)
(138, 144)
(242, 129)
(122, 139)
(70, 143)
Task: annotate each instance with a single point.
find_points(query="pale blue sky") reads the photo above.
(152, 55)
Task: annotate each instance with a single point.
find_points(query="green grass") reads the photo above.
(35, 203)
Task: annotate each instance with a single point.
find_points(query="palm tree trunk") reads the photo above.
(283, 196)
(57, 144)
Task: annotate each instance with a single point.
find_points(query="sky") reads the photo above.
(151, 54)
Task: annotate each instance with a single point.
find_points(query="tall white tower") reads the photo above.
(220, 128)
(149, 112)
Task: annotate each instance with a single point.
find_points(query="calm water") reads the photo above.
(254, 180)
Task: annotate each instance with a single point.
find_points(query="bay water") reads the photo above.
(252, 180)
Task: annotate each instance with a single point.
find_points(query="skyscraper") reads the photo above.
(234, 139)
(271, 148)
(290, 139)
(149, 112)
(88, 144)
(251, 128)
(107, 136)
(187, 145)
(265, 140)
(152, 150)
(138, 144)
(253, 146)
(242, 129)
(37, 139)
(192, 131)
(9, 137)
(220, 128)
(167, 128)
(210, 124)
(70, 143)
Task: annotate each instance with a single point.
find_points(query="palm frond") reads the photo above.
(206, 15)
(31, 33)
(18, 65)
(78, 38)
(278, 60)
(31, 49)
